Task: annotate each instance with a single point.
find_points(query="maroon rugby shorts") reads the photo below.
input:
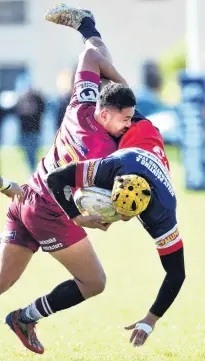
(39, 223)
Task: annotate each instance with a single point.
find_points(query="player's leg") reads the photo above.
(83, 21)
(17, 245)
(89, 280)
(93, 39)
(13, 262)
(82, 262)
(96, 58)
(16, 248)
(70, 246)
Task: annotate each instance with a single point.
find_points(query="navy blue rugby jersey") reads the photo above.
(159, 219)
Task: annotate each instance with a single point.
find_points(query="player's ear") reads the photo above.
(104, 115)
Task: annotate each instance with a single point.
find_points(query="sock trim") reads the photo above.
(44, 306)
(48, 306)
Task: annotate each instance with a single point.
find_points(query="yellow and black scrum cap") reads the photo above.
(130, 195)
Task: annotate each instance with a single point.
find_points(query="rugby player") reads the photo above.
(11, 189)
(138, 175)
(139, 178)
(90, 123)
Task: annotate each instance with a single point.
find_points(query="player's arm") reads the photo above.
(74, 174)
(60, 182)
(173, 265)
(170, 249)
(99, 172)
(11, 189)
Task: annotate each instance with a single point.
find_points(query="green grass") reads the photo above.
(93, 331)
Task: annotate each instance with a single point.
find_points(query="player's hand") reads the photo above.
(142, 329)
(91, 222)
(15, 192)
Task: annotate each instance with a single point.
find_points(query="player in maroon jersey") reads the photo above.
(86, 132)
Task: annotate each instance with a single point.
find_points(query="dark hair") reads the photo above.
(116, 96)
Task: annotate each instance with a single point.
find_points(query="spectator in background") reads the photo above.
(30, 108)
(64, 83)
(148, 97)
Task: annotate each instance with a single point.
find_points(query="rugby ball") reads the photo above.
(96, 201)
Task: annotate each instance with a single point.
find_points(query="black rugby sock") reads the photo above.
(64, 296)
(87, 29)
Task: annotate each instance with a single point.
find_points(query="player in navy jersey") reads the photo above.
(138, 175)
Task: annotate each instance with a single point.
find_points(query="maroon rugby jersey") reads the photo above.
(80, 137)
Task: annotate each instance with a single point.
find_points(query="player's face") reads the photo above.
(117, 122)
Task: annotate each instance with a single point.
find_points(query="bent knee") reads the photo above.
(98, 286)
(93, 287)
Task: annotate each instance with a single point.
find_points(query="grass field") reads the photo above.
(93, 331)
